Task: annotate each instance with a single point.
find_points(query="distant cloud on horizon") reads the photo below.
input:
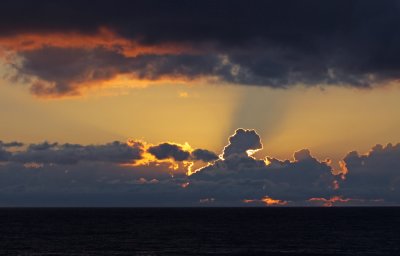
(140, 174)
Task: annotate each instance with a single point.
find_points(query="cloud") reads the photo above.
(240, 176)
(67, 71)
(136, 173)
(242, 143)
(4, 155)
(4, 146)
(88, 184)
(374, 175)
(272, 44)
(11, 144)
(54, 153)
(204, 155)
(167, 150)
(181, 153)
(329, 202)
(267, 201)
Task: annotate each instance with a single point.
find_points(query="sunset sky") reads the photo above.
(192, 103)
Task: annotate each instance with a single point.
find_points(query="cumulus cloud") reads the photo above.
(167, 150)
(204, 155)
(374, 175)
(123, 174)
(181, 153)
(274, 44)
(242, 142)
(240, 176)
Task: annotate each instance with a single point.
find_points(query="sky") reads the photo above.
(199, 103)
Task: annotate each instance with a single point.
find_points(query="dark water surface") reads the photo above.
(200, 231)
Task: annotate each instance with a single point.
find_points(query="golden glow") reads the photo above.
(287, 120)
(119, 84)
(106, 39)
(148, 158)
(173, 165)
(251, 152)
(266, 161)
(270, 201)
(343, 169)
(329, 122)
(183, 94)
(267, 201)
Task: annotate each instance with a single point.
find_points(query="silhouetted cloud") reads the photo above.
(374, 176)
(167, 150)
(263, 43)
(64, 71)
(204, 155)
(244, 177)
(54, 153)
(181, 153)
(241, 142)
(123, 174)
(11, 144)
(4, 155)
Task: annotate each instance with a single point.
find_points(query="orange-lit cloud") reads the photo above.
(266, 55)
(104, 38)
(56, 72)
(343, 171)
(343, 201)
(148, 158)
(44, 90)
(269, 201)
(87, 70)
(331, 201)
(179, 157)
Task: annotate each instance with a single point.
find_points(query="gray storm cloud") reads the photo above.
(277, 44)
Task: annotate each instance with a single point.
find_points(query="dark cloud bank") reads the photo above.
(115, 174)
(264, 43)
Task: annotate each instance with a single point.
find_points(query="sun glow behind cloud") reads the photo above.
(330, 121)
(286, 119)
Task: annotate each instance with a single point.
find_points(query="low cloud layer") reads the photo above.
(140, 174)
(245, 177)
(372, 175)
(262, 43)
